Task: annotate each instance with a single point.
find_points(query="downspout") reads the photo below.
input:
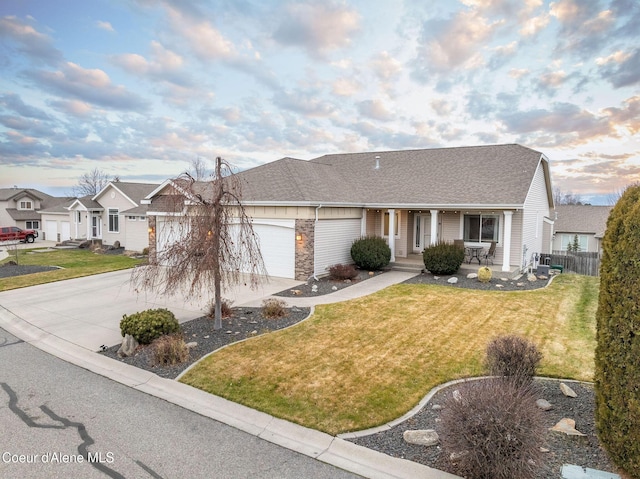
(314, 246)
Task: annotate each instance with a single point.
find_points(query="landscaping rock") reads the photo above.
(192, 344)
(452, 280)
(296, 292)
(567, 426)
(129, 345)
(437, 407)
(544, 404)
(422, 437)
(499, 285)
(472, 276)
(504, 279)
(532, 277)
(314, 288)
(457, 396)
(567, 391)
(334, 288)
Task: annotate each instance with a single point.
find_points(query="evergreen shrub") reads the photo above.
(145, 326)
(443, 258)
(371, 253)
(617, 359)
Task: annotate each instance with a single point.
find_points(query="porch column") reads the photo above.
(434, 226)
(506, 241)
(392, 234)
(363, 223)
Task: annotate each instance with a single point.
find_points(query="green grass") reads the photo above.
(364, 362)
(74, 264)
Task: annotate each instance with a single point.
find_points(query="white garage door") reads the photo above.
(276, 237)
(278, 246)
(66, 231)
(51, 230)
(333, 240)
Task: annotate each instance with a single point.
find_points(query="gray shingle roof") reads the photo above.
(8, 193)
(135, 191)
(477, 175)
(582, 219)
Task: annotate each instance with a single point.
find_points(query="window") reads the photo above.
(567, 242)
(113, 221)
(386, 224)
(32, 225)
(131, 218)
(26, 205)
(78, 216)
(481, 228)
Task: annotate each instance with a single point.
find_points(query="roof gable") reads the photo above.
(581, 219)
(133, 192)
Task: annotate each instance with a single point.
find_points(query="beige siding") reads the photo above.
(120, 203)
(536, 208)
(516, 237)
(136, 234)
(333, 240)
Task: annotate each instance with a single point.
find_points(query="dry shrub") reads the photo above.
(225, 308)
(495, 429)
(342, 271)
(273, 308)
(169, 350)
(513, 357)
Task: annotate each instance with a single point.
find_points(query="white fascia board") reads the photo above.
(443, 206)
(156, 191)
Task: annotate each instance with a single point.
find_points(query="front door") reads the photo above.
(421, 232)
(95, 227)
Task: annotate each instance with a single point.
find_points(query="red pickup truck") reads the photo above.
(12, 233)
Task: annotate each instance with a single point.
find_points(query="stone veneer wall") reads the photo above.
(152, 240)
(305, 248)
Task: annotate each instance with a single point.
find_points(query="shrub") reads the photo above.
(617, 368)
(148, 325)
(443, 258)
(371, 253)
(495, 429)
(169, 349)
(225, 308)
(513, 357)
(342, 271)
(273, 308)
(145, 251)
(484, 274)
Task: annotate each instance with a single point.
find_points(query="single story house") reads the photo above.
(308, 213)
(21, 207)
(115, 213)
(586, 222)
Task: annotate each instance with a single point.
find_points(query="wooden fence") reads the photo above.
(580, 263)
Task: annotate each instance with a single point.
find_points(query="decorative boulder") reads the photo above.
(452, 280)
(129, 345)
(422, 437)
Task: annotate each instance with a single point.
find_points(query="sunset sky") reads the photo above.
(139, 88)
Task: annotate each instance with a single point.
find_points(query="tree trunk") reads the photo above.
(217, 323)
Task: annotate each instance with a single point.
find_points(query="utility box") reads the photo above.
(543, 269)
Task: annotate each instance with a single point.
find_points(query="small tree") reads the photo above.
(617, 371)
(576, 244)
(213, 241)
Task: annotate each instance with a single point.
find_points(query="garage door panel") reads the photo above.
(333, 240)
(51, 230)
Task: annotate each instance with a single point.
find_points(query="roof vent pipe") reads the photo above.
(377, 167)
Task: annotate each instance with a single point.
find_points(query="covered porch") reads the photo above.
(413, 230)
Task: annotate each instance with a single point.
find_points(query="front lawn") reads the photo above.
(362, 363)
(74, 263)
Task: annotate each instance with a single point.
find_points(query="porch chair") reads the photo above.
(488, 256)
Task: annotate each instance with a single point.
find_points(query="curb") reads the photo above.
(315, 444)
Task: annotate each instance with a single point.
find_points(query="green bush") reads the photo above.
(371, 253)
(617, 371)
(443, 258)
(340, 272)
(148, 325)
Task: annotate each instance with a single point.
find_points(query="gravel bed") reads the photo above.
(497, 282)
(325, 285)
(244, 323)
(563, 449)
(10, 269)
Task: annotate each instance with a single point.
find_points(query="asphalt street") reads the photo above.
(61, 421)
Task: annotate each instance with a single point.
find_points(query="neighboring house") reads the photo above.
(307, 213)
(20, 207)
(587, 222)
(114, 214)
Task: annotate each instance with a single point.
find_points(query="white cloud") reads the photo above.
(375, 109)
(106, 26)
(346, 87)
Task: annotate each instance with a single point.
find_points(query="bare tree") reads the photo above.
(213, 243)
(91, 183)
(565, 198)
(612, 198)
(198, 169)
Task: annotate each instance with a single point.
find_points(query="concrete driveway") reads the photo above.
(87, 311)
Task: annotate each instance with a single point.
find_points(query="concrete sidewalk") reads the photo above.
(66, 333)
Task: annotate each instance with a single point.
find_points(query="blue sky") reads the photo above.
(139, 88)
